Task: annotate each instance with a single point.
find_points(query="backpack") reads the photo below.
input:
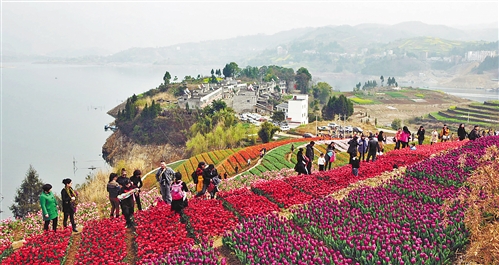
(194, 176)
(216, 181)
(177, 192)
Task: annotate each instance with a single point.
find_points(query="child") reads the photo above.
(321, 162)
(178, 191)
(355, 166)
(413, 146)
(216, 182)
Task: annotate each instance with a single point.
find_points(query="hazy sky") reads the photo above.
(41, 27)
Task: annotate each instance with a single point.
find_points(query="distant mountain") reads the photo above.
(337, 49)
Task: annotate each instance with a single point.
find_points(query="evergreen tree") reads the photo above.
(27, 199)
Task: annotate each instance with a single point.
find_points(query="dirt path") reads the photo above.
(131, 251)
(75, 246)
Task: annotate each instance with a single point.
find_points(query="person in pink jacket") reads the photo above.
(405, 136)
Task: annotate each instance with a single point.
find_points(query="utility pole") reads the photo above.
(316, 133)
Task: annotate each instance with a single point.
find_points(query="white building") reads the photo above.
(296, 110)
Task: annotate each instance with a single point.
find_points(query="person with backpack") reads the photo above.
(179, 194)
(330, 156)
(165, 177)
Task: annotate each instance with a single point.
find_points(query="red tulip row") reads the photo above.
(47, 248)
(283, 194)
(300, 189)
(247, 203)
(159, 231)
(102, 242)
(209, 217)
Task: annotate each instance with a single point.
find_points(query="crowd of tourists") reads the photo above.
(124, 192)
(365, 148)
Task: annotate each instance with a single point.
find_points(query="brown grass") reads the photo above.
(482, 214)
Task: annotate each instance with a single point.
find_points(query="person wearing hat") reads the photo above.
(49, 207)
(69, 201)
(309, 153)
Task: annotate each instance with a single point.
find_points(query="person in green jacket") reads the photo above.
(49, 207)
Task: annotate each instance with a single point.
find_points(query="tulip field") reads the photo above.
(277, 217)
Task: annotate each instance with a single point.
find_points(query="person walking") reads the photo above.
(69, 201)
(420, 134)
(309, 153)
(301, 162)
(330, 156)
(113, 188)
(362, 147)
(49, 207)
(137, 182)
(164, 176)
(372, 149)
(461, 132)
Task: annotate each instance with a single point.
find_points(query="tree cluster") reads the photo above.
(340, 106)
(27, 198)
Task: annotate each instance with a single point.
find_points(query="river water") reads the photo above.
(53, 116)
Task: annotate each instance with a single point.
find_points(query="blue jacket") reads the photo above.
(362, 145)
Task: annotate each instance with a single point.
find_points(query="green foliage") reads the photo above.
(396, 123)
(220, 138)
(278, 116)
(231, 70)
(167, 78)
(337, 106)
(322, 91)
(27, 196)
(267, 131)
(303, 78)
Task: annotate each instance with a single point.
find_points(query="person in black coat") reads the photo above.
(352, 148)
(137, 182)
(309, 153)
(208, 174)
(68, 196)
(461, 132)
(421, 132)
(301, 162)
(127, 204)
(372, 149)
